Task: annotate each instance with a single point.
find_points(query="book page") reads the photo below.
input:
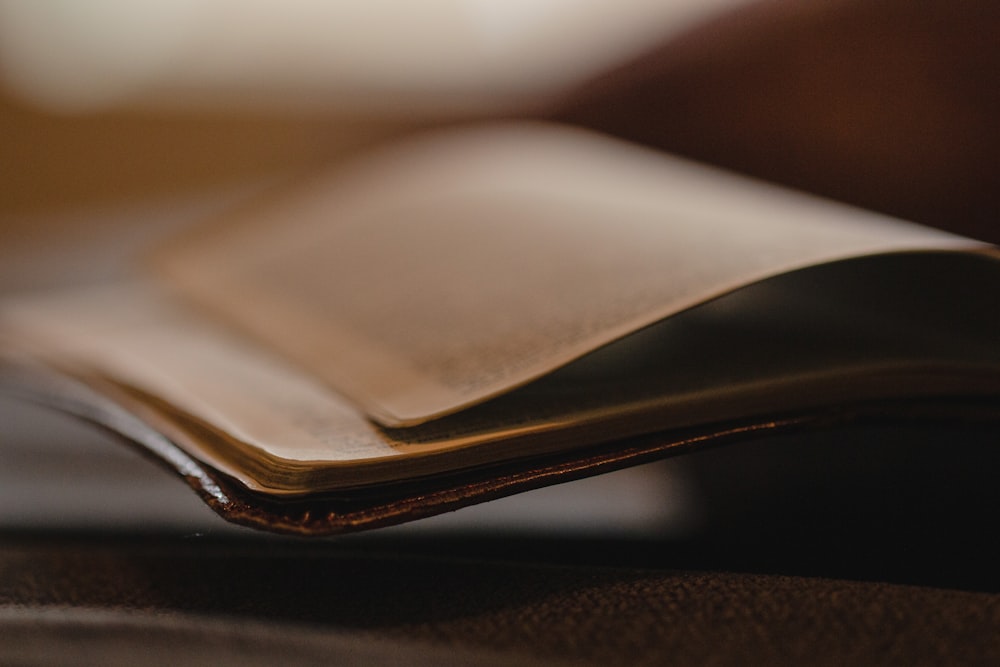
(233, 405)
(136, 335)
(836, 334)
(446, 270)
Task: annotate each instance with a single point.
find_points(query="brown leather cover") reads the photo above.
(387, 504)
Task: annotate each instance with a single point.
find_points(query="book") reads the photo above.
(472, 312)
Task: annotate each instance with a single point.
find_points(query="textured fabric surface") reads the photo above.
(398, 608)
(85, 637)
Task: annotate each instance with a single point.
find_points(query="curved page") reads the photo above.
(441, 272)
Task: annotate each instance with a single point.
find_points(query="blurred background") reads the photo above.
(121, 122)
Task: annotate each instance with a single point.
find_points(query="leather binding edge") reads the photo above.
(388, 504)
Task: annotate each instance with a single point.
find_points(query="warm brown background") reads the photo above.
(891, 105)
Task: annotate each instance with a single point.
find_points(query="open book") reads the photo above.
(478, 311)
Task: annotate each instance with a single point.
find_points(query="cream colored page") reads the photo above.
(136, 336)
(449, 269)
